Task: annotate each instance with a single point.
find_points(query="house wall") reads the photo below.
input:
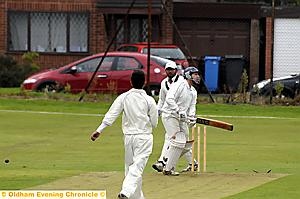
(48, 60)
(2, 27)
(254, 55)
(97, 33)
(167, 30)
(268, 54)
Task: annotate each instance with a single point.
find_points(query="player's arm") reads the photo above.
(191, 112)
(161, 97)
(109, 118)
(153, 113)
(192, 107)
(114, 111)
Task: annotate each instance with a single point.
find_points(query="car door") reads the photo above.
(79, 79)
(121, 72)
(102, 80)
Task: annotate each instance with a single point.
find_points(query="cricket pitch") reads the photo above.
(157, 186)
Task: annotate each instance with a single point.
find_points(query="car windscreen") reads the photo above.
(160, 61)
(168, 53)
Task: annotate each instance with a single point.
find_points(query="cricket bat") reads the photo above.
(214, 123)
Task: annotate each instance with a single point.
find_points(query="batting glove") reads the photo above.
(191, 123)
(182, 116)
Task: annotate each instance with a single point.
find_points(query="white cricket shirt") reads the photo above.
(140, 113)
(165, 86)
(180, 98)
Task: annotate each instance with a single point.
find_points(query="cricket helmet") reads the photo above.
(189, 71)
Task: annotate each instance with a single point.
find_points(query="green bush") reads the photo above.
(30, 66)
(13, 74)
(10, 72)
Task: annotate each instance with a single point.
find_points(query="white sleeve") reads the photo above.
(162, 96)
(114, 111)
(192, 108)
(153, 113)
(101, 127)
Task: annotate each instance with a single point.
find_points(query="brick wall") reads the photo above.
(2, 27)
(268, 58)
(254, 52)
(167, 27)
(97, 36)
(47, 60)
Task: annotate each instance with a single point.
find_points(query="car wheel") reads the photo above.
(48, 87)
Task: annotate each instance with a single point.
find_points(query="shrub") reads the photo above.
(278, 89)
(10, 72)
(30, 66)
(13, 74)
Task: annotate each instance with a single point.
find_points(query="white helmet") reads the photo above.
(171, 64)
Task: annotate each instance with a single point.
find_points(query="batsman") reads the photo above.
(180, 103)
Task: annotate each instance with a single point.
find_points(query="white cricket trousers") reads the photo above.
(137, 151)
(176, 146)
(170, 124)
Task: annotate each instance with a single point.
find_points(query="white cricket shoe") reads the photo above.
(122, 196)
(189, 167)
(158, 166)
(170, 173)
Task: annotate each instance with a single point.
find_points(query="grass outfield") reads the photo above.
(53, 151)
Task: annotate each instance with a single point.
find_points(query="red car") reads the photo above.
(113, 75)
(168, 51)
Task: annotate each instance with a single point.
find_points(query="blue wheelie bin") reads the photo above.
(212, 72)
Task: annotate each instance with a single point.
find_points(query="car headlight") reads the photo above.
(156, 70)
(262, 84)
(29, 81)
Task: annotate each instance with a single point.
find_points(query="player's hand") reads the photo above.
(95, 135)
(191, 123)
(159, 112)
(182, 116)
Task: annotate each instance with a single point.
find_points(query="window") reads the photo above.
(88, 66)
(168, 53)
(78, 33)
(134, 28)
(91, 65)
(48, 32)
(18, 26)
(127, 63)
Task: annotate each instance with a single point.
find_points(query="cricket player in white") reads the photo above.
(172, 77)
(180, 103)
(139, 117)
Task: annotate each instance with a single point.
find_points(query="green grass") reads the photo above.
(9, 91)
(46, 147)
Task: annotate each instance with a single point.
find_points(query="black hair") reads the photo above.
(138, 79)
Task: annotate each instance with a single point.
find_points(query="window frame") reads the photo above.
(111, 23)
(68, 32)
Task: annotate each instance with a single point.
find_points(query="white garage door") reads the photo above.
(286, 47)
